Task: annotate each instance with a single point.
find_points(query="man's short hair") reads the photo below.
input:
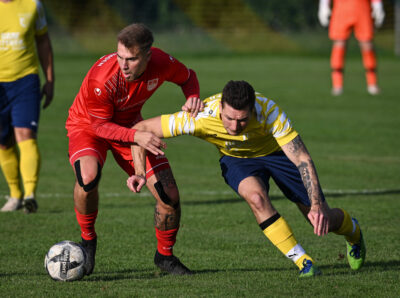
(239, 95)
(136, 34)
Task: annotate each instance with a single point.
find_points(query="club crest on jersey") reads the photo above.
(151, 84)
(97, 91)
(24, 19)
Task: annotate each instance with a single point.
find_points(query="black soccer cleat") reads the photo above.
(30, 205)
(170, 264)
(90, 248)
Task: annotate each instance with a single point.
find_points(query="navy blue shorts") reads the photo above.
(276, 165)
(19, 105)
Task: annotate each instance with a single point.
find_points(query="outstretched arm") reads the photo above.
(297, 152)
(152, 127)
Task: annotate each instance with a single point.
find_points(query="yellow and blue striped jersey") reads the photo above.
(20, 22)
(268, 129)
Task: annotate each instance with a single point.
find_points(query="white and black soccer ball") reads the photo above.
(65, 261)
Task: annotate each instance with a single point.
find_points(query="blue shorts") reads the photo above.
(276, 165)
(19, 105)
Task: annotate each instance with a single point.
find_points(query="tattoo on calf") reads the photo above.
(168, 221)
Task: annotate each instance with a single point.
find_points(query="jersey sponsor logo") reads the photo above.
(97, 91)
(151, 84)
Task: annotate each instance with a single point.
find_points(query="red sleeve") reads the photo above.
(191, 86)
(101, 109)
(179, 74)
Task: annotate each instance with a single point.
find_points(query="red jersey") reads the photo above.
(108, 105)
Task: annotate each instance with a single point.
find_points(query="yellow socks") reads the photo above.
(9, 166)
(280, 234)
(29, 165)
(349, 229)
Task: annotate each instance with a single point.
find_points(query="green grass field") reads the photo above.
(353, 139)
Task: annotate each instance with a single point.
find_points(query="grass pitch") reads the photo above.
(353, 139)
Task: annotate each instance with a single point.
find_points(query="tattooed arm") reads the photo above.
(297, 152)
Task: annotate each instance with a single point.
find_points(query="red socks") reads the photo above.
(86, 222)
(166, 241)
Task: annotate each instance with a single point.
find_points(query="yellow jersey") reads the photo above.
(268, 129)
(20, 22)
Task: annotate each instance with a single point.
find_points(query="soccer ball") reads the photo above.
(65, 261)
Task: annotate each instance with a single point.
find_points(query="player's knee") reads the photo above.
(89, 180)
(168, 196)
(257, 201)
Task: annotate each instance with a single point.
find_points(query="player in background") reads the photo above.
(348, 16)
(22, 28)
(256, 141)
(101, 117)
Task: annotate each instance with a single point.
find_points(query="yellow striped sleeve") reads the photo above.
(179, 123)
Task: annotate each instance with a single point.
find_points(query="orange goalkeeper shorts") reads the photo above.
(351, 15)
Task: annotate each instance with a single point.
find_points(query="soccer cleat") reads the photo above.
(171, 264)
(309, 269)
(30, 205)
(356, 252)
(90, 248)
(336, 91)
(12, 204)
(373, 89)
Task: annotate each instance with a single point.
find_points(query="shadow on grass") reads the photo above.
(327, 193)
(328, 270)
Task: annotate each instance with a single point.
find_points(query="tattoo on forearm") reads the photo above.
(306, 177)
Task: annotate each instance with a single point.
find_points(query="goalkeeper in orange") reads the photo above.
(347, 16)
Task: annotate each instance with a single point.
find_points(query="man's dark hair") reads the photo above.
(136, 34)
(239, 95)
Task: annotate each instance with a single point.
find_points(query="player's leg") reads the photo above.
(86, 202)
(244, 176)
(29, 165)
(340, 28)
(9, 164)
(337, 65)
(22, 106)
(341, 223)
(364, 33)
(167, 216)
(167, 213)
(87, 156)
(369, 62)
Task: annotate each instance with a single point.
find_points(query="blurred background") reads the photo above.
(206, 26)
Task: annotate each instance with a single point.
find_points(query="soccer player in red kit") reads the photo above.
(348, 16)
(108, 104)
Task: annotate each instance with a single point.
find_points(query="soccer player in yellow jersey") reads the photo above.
(257, 142)
(23, 33)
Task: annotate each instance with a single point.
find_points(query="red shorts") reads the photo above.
(84, 142)
(351, 15)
